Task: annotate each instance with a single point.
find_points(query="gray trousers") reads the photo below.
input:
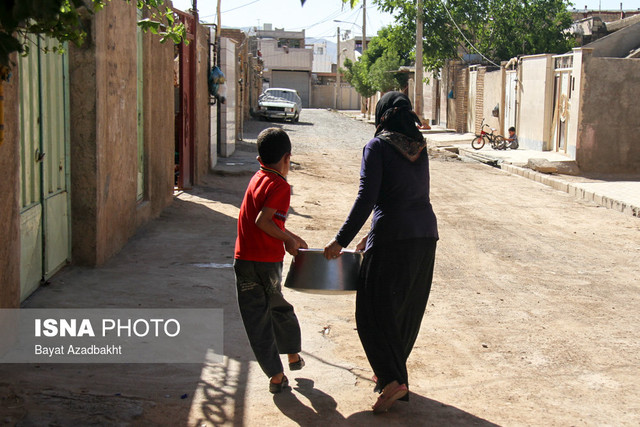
(269, 320)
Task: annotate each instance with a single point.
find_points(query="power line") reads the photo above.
(465, 37)
(241, 6)
(329, 17)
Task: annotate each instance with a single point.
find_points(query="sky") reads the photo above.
(317, 17)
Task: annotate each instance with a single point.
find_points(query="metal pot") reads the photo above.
(311, 272)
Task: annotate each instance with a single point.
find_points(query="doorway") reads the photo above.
(510, 100)
(185, 104)
(45, 231)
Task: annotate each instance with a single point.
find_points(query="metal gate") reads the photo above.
(471, 106)
(298, 80)
(185, 116)
(44, 164)
(510, 103)
(561, 100)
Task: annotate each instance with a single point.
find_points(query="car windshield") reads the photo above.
(289, 96)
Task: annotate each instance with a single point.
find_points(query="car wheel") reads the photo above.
(296, 119)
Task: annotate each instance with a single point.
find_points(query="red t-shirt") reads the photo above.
(266, 189)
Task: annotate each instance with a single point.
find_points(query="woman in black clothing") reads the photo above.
(397, 269)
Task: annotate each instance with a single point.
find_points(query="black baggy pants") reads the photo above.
(395, 281)
(269, 320)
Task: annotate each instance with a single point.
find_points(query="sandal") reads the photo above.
(296, 366)
(278, 387)
(386, 400)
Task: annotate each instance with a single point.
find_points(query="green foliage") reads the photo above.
(66, 21)
(351, 3)
(500, 29)
(358, 76)
(376, 68)
(383, 72)
(525, 28)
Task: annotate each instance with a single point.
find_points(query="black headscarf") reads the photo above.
(395, 114)
(396, 124)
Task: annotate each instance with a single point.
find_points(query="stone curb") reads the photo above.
(573, 189)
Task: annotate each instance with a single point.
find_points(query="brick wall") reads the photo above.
(460, 91)
(479, 100)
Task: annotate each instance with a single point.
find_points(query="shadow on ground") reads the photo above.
(158, 268)
(324, 410)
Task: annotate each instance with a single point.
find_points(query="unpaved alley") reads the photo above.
(533, 318)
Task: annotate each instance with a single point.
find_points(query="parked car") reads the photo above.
(280, 103)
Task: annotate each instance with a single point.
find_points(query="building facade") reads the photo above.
(288, 62)
(90, 147)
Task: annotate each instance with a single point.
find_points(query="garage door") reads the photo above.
(298, 80)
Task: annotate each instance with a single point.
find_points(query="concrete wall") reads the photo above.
(292, 59)
(535, 106)
(213, 122)
(618, 44)
(242, 78)
(83, 149)
(116, 123)
(159, 127)
(492, 96)
(446, 84)
(607, 137)
(323, 96)
(10, 197)
(104, 146)
(202, 131)
(228, 109)
(429, 96)
(575, 102)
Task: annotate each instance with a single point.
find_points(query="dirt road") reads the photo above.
(533, 318)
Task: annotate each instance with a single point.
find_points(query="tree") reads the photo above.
(376, 70)
(525, 28)
(357, 74)
(65, 21)
(499, 29)
(384, 72)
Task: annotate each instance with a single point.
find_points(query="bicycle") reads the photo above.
(497, 141)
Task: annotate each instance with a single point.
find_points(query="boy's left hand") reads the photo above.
(303, 244)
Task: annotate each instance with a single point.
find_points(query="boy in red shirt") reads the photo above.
(270, 322)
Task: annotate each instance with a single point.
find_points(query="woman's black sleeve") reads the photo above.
(370, 181)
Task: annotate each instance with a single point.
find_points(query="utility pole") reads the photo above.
(364, 103)
(219, 21)
(335, 99)
(417, 98)
(364, 25)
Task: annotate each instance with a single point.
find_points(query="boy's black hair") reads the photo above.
(273, 144)
(512, 129)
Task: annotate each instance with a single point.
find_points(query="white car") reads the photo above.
(280, 103)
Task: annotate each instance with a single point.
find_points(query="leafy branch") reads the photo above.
(67, 21)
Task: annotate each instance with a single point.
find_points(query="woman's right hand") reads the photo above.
(332, 250)
(362, 244)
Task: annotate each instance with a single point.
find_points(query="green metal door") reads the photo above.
(44, 226)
